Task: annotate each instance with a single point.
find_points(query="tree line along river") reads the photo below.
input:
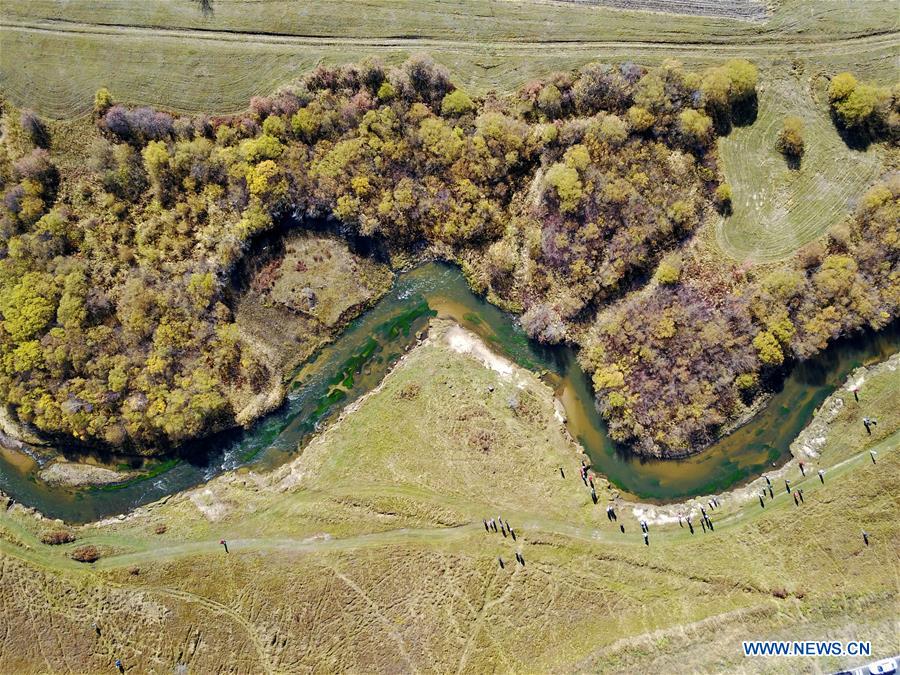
(360, 357)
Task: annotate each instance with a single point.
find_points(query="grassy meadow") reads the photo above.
(368, 552)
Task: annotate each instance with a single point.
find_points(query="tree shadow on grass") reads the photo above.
(793, 161)
(855, 138)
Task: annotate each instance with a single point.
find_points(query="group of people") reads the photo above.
(490, 525)
(505, 528)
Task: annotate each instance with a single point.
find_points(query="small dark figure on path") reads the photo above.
(561, 472)
(593, 495)
(709, 523)
(855, 394)
(768, 482)
(873, 455)
(503, 531)
(680, 521)
(869, 422)
(822, 476)
(787, 486)
(119, 666)
(622, 528)
(703, 524)
(512, 534)
(796, 501)
(500, 560)
(486, 528)
(771, 492)
(646, 539)
(96, 627)
(802, 469)
(691, 526)
(591, 481)
(225, 544)
(866, 537)
(761, 502)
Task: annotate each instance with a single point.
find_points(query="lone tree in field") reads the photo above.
(790, 140)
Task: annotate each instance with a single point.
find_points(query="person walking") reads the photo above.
(787, 486)
(512, 534)
(800, 492)
(867, 424)
(561, 472)
(761, 502)
(646, 539)
(802, 468)
(796, 501)
(225, 544)
(822, 476)
(486, 528)
(691, 526)
(865, 537)
(873, 454)
(771, 492)
(855, 391)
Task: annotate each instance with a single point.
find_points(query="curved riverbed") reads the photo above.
(360, 357)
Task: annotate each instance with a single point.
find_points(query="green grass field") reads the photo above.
(778, 209)
(169, 54)
(367, 553)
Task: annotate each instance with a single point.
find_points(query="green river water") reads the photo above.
(354, 363)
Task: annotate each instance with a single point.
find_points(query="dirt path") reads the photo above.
(528, 524)
(769, 43)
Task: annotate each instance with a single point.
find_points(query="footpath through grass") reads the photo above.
(368, 552)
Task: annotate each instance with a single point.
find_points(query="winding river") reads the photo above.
(354, 363)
